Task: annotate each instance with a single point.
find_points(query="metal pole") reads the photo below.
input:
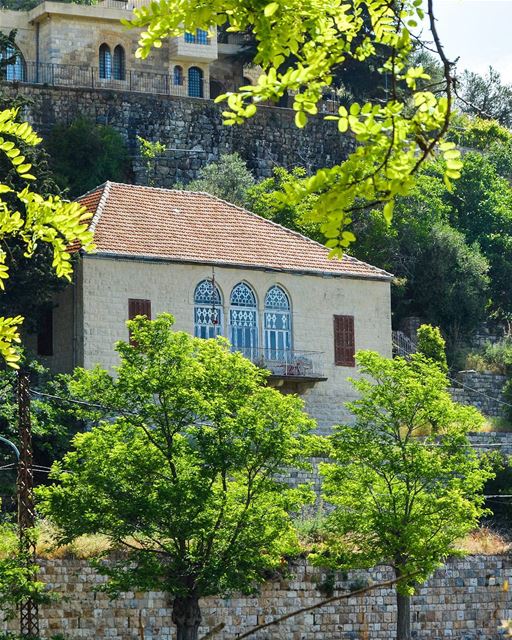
(29, 613)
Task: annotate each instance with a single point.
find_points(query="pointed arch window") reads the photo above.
(278, 326)
(207, 310)
(119, 63)
(195, 82)
(105, 62)
(12, 64)
(243, 320)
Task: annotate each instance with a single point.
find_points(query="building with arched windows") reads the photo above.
(67, 44)
(221, 271)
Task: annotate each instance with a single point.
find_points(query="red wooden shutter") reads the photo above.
(344, 341)
(139, 308)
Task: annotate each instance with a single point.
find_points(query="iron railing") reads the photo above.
(286, 362)
(66, 75)
(403, 345)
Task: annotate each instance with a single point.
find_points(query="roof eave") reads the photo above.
(382, 276)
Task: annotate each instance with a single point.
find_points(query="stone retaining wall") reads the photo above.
(481, 390)
(464, 600)
(191, 129)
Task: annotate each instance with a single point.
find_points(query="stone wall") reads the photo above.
(191, 129)
(482, 390)
(464, 600)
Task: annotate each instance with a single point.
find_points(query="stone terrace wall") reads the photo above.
(482, 390)
(464, 601)
(191, 128)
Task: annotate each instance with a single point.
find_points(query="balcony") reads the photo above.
(198, 47)
(291, 365)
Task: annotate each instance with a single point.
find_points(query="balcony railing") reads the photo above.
(287, 363)
(66, 75)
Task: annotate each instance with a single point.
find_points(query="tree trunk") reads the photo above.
(403, 619)
(186, 615)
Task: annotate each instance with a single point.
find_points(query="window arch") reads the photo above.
(195, 82)
(13, 63)
(207, 310)
(105, 62)
(119, 63)
(178, 75)
(243, 320)
(278, 326)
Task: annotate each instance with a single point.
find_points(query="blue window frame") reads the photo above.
(119, 67)
(15, 69)
(207, 310)
(278, 329)
(105, 62)
(195, 82)
(199, 37)
(243, 320)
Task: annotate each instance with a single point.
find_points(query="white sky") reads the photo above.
(479, 32)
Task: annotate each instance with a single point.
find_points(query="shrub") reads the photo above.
(432, 345)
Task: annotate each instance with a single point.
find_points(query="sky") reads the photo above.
(477, 31)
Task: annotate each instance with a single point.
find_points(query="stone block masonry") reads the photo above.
(481, 390)
(464, 600)
(191, 129)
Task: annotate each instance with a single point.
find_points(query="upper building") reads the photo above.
(73, 45)
(220, 270)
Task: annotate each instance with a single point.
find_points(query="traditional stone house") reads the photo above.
(73, 45)
(221, 270)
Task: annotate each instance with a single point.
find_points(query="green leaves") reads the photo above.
(299, 50)
(184, 460)
(36, 220)
(406, 483)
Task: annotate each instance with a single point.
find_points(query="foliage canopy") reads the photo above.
(181, 469)
(32, 219)
(406, 483)
(299, 46)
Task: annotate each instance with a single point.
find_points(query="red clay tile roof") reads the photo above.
(136, 221)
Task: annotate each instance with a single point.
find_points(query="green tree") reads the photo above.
(406, 483)
(32, 220)
(432, 345)
(485, 96)
(149, 151)
(181, 471)
(84, 155)
(299, 46)
(263, 200)
(229, 179)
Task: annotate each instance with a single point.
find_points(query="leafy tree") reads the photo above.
(486, 96)
(432, 345)
(149, 151)
(84, 154)
(181, 470)
(263, 200)
(32, 220)
(406, 483)
(310, 41)
(229, 179)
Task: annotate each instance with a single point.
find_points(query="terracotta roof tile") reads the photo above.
(186, 226)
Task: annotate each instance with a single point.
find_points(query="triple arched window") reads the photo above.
(243, 329)
(112, 67)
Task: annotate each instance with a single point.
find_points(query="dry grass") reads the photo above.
(485, 541)
(499, 425)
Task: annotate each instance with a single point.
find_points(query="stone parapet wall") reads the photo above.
(191, 129)
(481, 390)
(465, 600)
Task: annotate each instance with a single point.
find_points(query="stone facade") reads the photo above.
(191, 129)
(481, 390)
(98, 306)
(465, 600)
